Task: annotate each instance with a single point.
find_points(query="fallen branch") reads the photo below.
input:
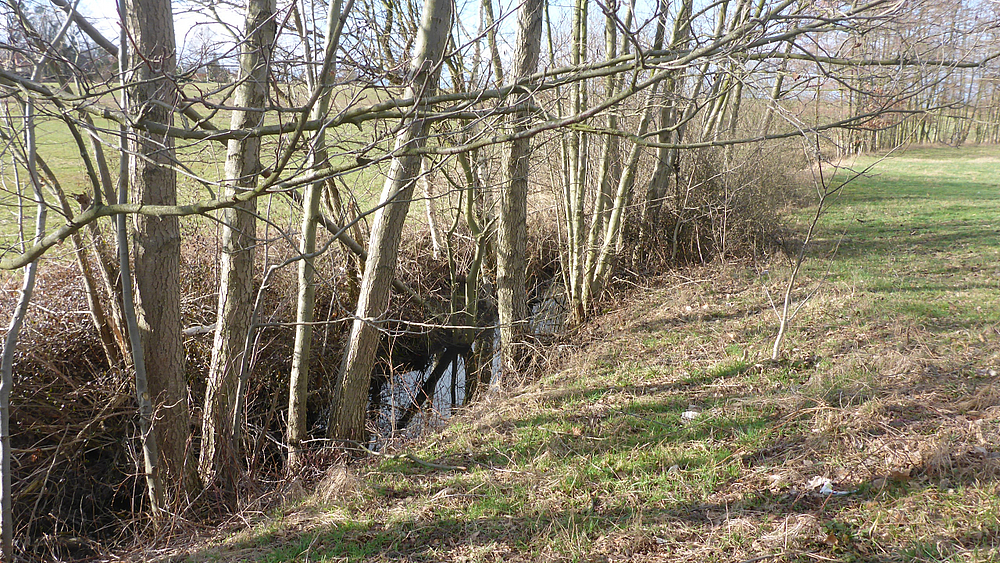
(404, 456)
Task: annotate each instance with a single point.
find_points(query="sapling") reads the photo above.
(826, 186)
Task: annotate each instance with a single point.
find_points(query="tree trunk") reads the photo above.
(512, 231)
(611, 165)
(298, 385)
(351, 392)
(659, 182)
(10, 344)
(158, 244)
(428, 187)
(578, 157)
(220, 431)
(151, 465)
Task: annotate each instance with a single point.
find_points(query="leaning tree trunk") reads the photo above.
(158, 243)
(512, 232)
(351, 392)
(220, 425)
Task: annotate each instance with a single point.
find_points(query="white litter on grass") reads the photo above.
(688, 416)
(824, 486)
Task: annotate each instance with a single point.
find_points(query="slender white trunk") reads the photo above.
(428, 189)
(10, 343)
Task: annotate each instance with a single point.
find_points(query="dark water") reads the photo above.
(548, 315)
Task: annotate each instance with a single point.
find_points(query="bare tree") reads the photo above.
(150, 26)
(220, 422)
(305, 305)
(512, 235)
(350, 405)
(660, 104)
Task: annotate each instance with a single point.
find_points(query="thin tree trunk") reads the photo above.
(150, 449)
(579, 158)
(10, 344)
(97, 313)
(469, 291)
(429, 208)
(611, 166)
(219, 441)
(512, 231)
(491, 40)
(299, 379)
(105, 259)
(108, 328)
(351, 393)
(666, 157)
(150, 27)
(612, 233)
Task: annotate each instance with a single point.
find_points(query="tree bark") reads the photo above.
(298, 385)
(220, 424)
(512, 230)
(157, 261)
(351, 392)
(151, 466)
(578, 156)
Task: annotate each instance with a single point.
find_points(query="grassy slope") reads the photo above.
(886, 390)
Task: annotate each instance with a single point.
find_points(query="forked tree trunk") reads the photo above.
(666, 157)
(351, 392)
(611, 165)
(220, 436)
(512, 231)
(150, 27)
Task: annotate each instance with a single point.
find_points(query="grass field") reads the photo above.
(665, 435)
(200, 164)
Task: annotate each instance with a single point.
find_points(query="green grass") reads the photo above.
(200, 166)
(922, 230)
(883, 388)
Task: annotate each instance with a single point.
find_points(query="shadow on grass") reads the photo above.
(677, 500)
(535, 535)
(863, 241)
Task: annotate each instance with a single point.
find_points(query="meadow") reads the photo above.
(661, 431)
(200, 164)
